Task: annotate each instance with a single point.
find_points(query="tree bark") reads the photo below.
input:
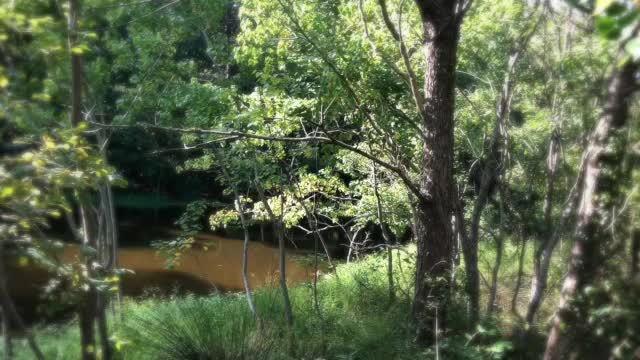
(570, 336)
(434, 209)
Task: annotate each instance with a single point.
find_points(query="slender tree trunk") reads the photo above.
(570, 336)
(103, 332)
(107, 246)
(9, 312)
(634, 265)
(312, 220)
(635, 252)
(491, 167)
(434, 210)
(470, 257)
(385, 234)
(493, 292)
(516, 291)
(279, 230)
(499, 252)
(87, 308)
(352, 237)
(542, 257)
(245, 256)
(6, 335)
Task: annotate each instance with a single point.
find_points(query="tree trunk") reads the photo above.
(103, 331)
(635, 252)
(279, 230)
(87, 308)
(470, 257)
(245, 256)
(570, 335)
(385, 234)
(493, 294)
(491, 167)
(516, 291)
(434, 230)
(9, 313)
(542, 257)
(6, 335)
(634, 265)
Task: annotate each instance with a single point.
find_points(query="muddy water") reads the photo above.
(214, 263)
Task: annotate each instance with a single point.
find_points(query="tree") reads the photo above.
(570, 335)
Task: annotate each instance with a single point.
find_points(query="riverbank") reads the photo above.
(353, 320)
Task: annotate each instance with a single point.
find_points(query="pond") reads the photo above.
(214, 264)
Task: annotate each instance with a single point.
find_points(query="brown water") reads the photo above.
(220, 265)
(200, 271)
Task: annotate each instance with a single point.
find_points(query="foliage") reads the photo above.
(355, 324)
(39, 185)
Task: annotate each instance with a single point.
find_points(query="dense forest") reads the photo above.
(320, 179)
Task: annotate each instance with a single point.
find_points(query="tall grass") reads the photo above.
(355, 321)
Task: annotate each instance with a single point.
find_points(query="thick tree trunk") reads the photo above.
(571, 337)
(434, 231)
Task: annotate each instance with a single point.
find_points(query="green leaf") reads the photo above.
(602, 6)
(607, 27)
(632, 47)
(88, 251)
(7, 192)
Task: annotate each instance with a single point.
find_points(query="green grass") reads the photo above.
(356, 321)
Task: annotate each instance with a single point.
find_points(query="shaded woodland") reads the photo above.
(322, 179)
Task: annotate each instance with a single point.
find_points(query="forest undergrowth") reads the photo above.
(353, 319)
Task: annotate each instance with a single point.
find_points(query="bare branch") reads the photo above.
(418, 98)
